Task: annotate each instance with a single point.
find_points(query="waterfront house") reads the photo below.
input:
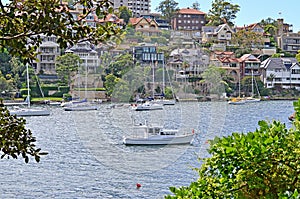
(249, 65)
(281, 72)
(227, 61)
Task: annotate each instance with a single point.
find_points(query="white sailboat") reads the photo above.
(252, 98)
(164, 101)
(81, 105)
(23, 112)
(237, 100)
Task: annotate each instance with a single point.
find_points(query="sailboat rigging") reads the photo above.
(252, 98)
(82, 105)
(238, 100)
(29, 111)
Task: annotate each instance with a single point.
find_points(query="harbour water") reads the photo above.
(88, 160)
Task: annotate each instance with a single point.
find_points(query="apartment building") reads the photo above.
(138, 7)
(48, 51)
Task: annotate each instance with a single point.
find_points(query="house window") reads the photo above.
(179, 21)
(295, 71)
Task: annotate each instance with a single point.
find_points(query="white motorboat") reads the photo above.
(156, 135)
(147, 106)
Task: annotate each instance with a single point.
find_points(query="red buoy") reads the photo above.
(138, 185)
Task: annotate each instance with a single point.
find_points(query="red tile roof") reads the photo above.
(191, 11)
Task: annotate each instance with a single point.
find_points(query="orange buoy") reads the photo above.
(138, 185)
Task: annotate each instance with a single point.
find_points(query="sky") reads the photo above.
(252, 11)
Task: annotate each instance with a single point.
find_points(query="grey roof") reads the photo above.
(277, 63)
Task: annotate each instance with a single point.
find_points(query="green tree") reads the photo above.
(110, 83)
(213, 77)
(196, 5)
(121, 91)
(121, 65)
(168, 9)
(15, 139)
(298, 56)
(247, 39)
(66, 66)
(22, 24)
(125, 13)
(24, 21)
(260, 164)
(222, 12)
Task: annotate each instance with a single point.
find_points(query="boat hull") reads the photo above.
(146, 107)
(184, 139)
(30, 112)
(79, 108)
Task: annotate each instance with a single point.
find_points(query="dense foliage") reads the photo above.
(221, 12)
(66, 66)
(168, 9)
(23, 22)
(15, 139)
(260, 164)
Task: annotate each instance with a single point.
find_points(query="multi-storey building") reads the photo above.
(289, 42)
(48, 51)
(87, 54)
(147, 55)
(286, 39)
(188, 19)
(281, 72)
(250, 65)
(138, 7)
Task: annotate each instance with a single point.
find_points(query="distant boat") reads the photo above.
(72, 102)
(23, 112)
(29, 111)
(252, 98)
(81, 107)
(237, 101)
(147, 106)
(292, 117)
(165, 101)
(144, 134)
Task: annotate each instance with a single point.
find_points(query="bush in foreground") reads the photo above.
(260, 164)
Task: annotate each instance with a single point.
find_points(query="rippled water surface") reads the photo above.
(88, 160)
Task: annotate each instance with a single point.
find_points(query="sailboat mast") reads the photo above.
(252, 91)
(163, 86)
(152, 78)
(28, 92)
(86, 78)
(239, 84)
